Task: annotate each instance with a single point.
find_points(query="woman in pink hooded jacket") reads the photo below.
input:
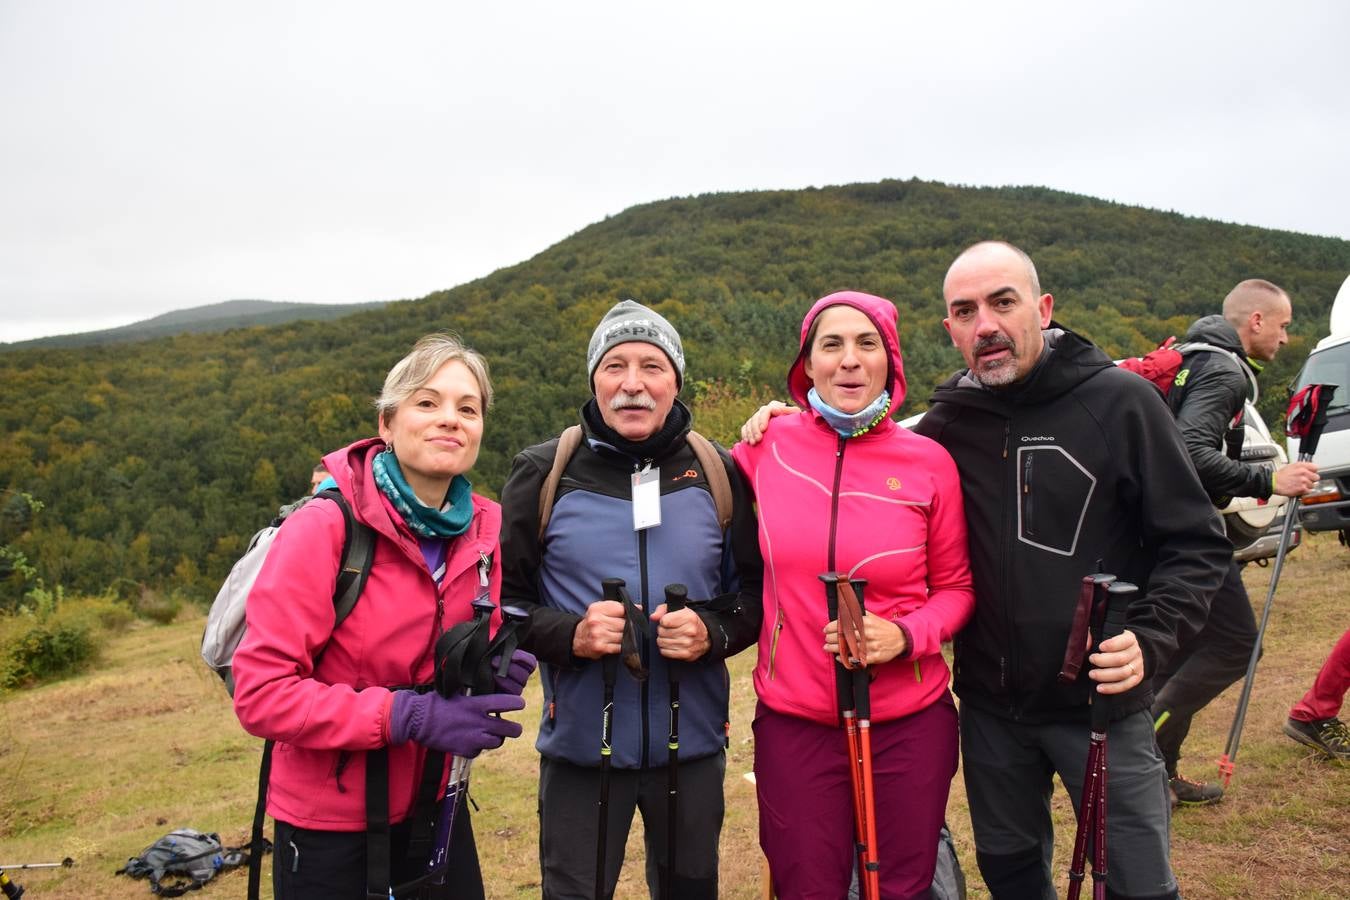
(330, 697)
(841, 488)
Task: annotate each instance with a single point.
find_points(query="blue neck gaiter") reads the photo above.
(851, 424)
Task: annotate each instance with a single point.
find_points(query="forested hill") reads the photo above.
(201, 320)
(156, 460)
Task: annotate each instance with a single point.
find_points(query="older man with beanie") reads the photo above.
(635, 502)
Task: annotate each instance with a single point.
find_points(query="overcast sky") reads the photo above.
(162, 155)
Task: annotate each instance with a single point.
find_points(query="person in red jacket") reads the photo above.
(842, 488)
(335, 698)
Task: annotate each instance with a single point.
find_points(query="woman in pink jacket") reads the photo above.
(334, 698)
(841, 488)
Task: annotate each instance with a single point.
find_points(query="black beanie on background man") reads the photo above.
(628, 321)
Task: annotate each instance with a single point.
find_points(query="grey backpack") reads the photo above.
(182, 861)
(226, 622)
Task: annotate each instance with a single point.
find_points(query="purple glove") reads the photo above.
(513, 682)
(459, 725)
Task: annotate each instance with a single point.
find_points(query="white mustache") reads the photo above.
(632, 401)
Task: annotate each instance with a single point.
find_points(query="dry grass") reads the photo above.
(97, 767)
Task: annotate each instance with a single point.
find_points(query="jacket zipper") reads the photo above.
(773, 644)
(834, 498)
(643, 649)
(1028, 510)
(1007, 663)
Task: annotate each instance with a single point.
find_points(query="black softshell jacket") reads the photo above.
(1081, 462)
(1214, 393)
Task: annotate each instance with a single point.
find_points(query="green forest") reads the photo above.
(145, 467)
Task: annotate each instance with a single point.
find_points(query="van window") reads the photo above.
(1329, 366)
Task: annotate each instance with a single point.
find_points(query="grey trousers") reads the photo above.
(1009, 768)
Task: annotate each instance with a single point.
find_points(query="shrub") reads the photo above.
(56, 639)
(159, 606)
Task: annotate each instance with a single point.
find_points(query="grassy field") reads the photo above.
(98, 767)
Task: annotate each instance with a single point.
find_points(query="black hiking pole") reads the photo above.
(459, 658)
(1306, 418)
(676, 595)
(612, 589)
(1092, 805)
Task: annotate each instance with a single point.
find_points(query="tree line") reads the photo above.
(154, 462)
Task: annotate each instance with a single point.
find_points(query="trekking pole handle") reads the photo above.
(677, 595)
(862, 678)
(611, 589)
(1118, 595)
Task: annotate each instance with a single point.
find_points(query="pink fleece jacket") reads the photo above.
(324, 715)
(896, 502)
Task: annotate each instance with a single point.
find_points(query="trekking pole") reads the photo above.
(63, 864)
(1092, 805)
(851, 687)
(459, 655)
(676, 595)
(612, 589)
(1305, 419)
(862, 704)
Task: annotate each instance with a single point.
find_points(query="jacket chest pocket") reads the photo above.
(1053, 492)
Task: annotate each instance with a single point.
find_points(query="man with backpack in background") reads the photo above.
(1217, 376)
(631, 493)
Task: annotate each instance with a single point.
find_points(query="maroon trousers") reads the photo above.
(1323, 700)
(806, 800)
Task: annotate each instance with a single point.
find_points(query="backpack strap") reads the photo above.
(715, 471)
(377, 824)
(568, 442)
(358, 553)
(1186, 349)
(257, 844)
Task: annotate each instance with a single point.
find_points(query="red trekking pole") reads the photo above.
(1306, 418)
(1114, 596)
(844, 602)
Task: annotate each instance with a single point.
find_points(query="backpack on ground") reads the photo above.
(1170, 366)
(182, 861)
(713, 470)
(949, 882)
(225, 623)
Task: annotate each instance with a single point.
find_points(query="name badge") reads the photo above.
(646, 498)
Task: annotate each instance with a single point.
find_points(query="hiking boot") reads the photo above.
(1193, 793)
(1330, 736)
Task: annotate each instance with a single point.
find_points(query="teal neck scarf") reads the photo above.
(851, 424)
(451, 520)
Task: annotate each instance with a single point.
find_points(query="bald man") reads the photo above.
(1067, 463)
(1208, 398)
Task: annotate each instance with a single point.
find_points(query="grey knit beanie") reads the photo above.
(627, 321)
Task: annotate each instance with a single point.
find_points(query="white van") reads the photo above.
(1327, 506)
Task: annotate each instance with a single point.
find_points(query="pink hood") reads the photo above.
(884, 316)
